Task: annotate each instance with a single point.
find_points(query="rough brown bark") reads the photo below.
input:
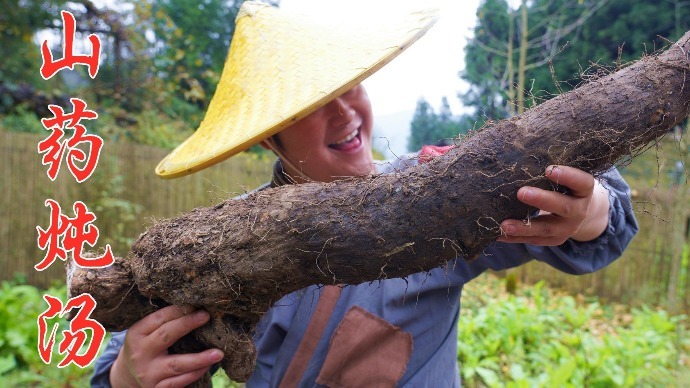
(239, 257)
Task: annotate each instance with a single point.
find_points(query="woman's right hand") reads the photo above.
(144, 360)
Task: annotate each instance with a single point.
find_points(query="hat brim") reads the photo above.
(280, 68)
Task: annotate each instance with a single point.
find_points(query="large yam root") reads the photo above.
(237, 258)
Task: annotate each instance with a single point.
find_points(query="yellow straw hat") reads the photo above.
(282, 67)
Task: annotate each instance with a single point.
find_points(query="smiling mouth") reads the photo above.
(347, 138)
(348, 143)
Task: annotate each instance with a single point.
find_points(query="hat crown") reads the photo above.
(250, 8)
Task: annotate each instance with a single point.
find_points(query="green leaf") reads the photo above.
(563, 373)
(15, 338)
(7, 363)
(517, 372)
(490, 377)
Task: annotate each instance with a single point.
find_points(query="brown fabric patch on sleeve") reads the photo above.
(365, 351)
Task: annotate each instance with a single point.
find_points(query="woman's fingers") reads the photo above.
(168, 333)
(549, 201)
(574, 204)
(187, 368)
(145, 352)
(182, 380)
(158, 318)
(548, 230)
(580, 183)
(156, 332)
(564, 213)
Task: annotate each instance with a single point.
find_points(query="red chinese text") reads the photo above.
(54, 146)
(74, 338)
(66, 234)
(49, 67)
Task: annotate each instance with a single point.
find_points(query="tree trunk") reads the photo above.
(521, 88)
(237, 258)
(512, 101)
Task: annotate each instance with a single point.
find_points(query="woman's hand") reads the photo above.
(581, 215)
(144, 360)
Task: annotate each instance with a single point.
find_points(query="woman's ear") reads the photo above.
(265, 145)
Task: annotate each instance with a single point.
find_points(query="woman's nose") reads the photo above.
(341, 111)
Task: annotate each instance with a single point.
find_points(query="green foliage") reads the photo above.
(429, 128)
(568, 42)
(619, 32)
(166, 127)
(191, 41)
(117, 215)
(541, 338)
(160, 130)
(22, 120)
(20, 364)
(196, 36)
(493, 56)
(423, 124)
(485, 65)
(221, 380)
(21, 57)
(160, 62)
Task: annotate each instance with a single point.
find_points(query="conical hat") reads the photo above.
(281, 67)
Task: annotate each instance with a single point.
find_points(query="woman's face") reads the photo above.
(334, 142)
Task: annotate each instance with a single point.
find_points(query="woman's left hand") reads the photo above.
(582, 214)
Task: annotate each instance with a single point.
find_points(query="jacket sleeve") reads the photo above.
(573, 257)
(101, 369)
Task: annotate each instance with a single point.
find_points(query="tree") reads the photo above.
(538, 34)
(190, 42)
(160, 61)
(17, 27)
(450, 127)
(445, 115)
(485, 66)
(429, 128)
(21, 53)
(567, 42)
(619, 32)
(423, 126)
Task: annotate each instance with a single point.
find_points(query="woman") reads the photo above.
(393, 332)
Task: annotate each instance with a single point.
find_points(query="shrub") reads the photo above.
(20, 363)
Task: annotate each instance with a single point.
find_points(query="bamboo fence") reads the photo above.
(654, 268)
(124, 194)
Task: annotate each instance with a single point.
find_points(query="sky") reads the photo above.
(427, 69)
